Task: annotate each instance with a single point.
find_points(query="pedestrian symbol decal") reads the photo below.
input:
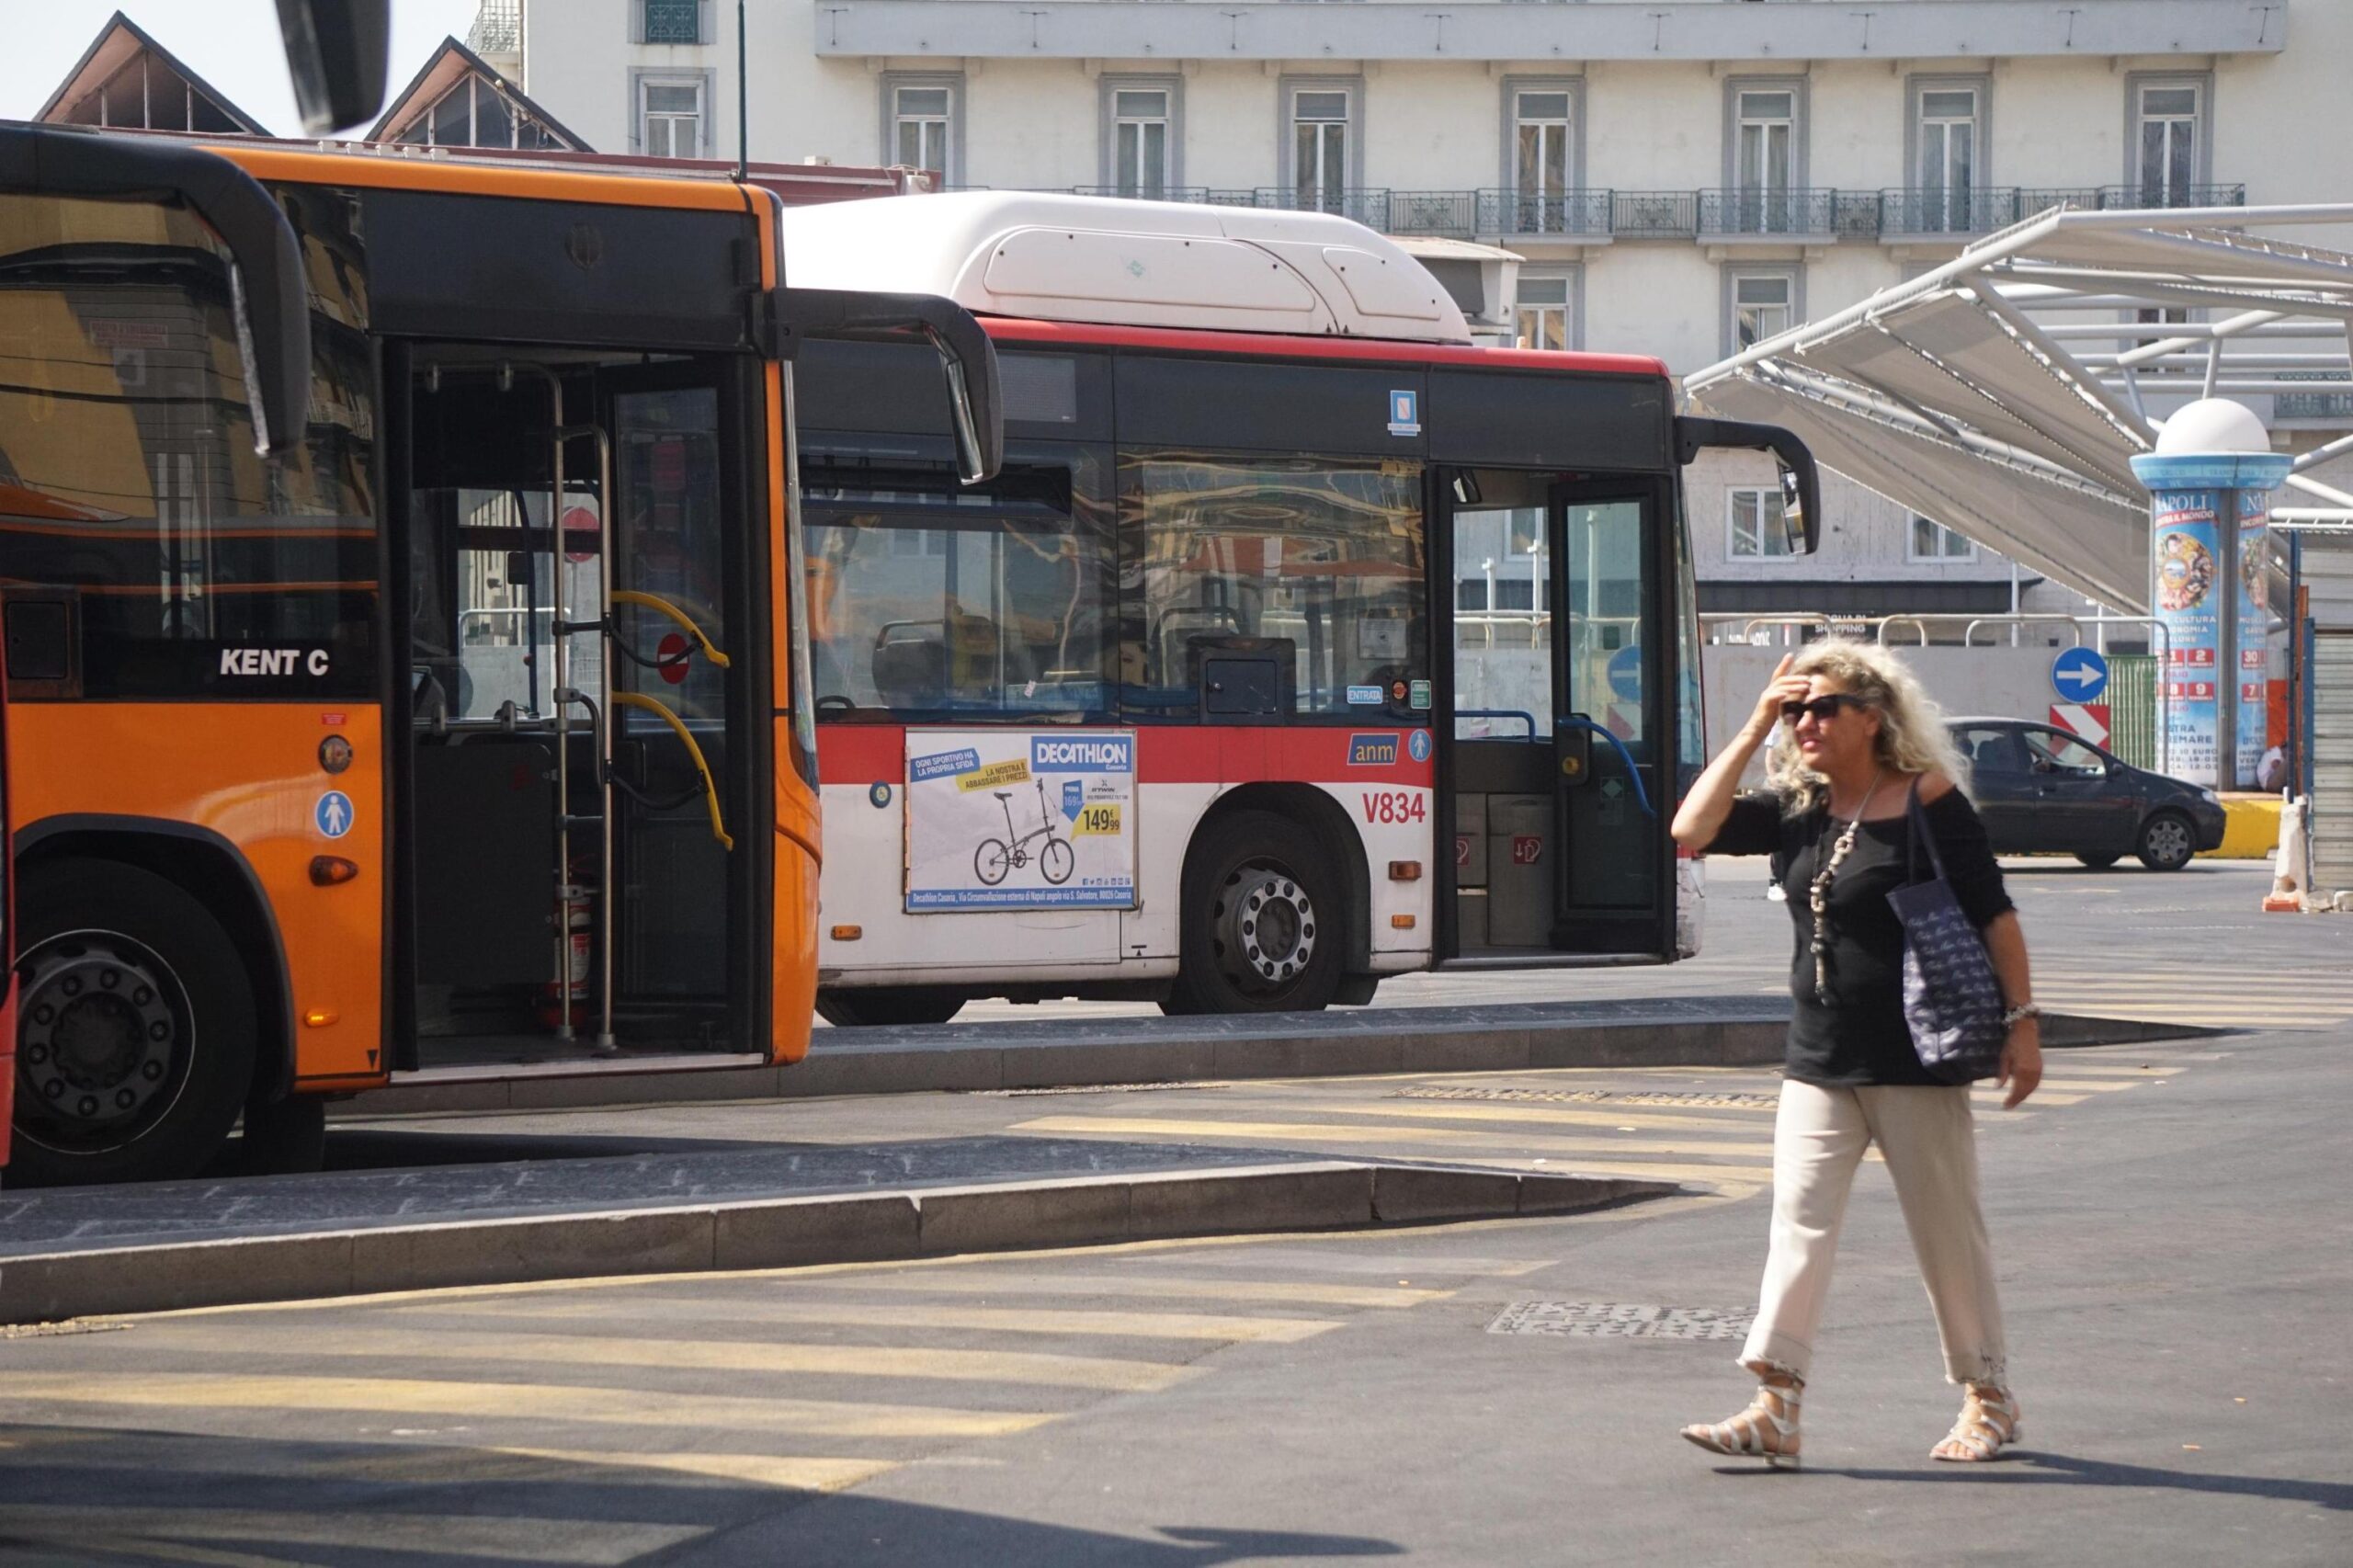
(1417, 746)
(333, 814)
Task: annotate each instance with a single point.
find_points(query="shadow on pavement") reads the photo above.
(2039, 1469)
(104, 1494)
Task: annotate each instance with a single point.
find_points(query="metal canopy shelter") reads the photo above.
(2004, 393)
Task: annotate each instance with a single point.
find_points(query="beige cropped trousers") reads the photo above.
(1927, 1137)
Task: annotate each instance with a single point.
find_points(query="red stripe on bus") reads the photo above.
(870, 753)
(1252, 344)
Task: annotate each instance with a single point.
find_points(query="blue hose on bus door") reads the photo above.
(1642, 796)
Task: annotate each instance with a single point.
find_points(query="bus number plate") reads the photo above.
(1396, 805)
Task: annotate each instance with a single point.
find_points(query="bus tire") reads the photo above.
(887, 1007)
(287, 1138)
(1262, 927)
(135, 1027)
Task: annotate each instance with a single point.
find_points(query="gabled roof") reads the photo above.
(450, 64)
(121, 44)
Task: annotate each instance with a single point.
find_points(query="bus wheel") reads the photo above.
(134, 1028)
(1261, 920)
(887, 1007)
(287, 1138)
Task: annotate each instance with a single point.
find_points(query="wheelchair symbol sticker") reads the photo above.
(333, 814)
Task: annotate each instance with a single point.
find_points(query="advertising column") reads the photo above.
(2209, 482)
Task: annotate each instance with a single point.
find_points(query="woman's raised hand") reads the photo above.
(1783, 687)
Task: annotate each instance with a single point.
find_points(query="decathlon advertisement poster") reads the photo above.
(1017, 819)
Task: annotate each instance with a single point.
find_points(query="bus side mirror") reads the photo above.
(1801, 476)
(975, 405)
(337, 52)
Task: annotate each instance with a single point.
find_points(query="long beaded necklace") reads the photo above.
(1819, 899)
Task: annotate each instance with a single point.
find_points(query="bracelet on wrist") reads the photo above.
(2020, 1014)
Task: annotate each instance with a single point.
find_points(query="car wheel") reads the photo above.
(2167, 841)
(2097, 862)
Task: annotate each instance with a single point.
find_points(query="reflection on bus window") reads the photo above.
(1604, 595)
(1312, 566)
(128, 485)
(928, 604)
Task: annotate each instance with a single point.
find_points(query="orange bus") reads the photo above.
(402, 625)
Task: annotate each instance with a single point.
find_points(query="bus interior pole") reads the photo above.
(605, 720)
(743, 98)
(560, 644)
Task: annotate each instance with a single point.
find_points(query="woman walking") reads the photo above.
(1858, 737)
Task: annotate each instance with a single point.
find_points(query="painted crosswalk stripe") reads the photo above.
(1474, 1110)
(754, 1310)
(461, 1466)
(520, 1402)
(1164, 1286)
(1327, 1132)
(704, 1355)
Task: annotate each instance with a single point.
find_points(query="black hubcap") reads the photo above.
(101, 1047)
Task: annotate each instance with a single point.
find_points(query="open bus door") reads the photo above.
(7, 951)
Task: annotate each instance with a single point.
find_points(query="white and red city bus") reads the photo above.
(1300, 642)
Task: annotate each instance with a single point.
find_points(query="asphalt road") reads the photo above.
(2191, 945)
(2170, 1243)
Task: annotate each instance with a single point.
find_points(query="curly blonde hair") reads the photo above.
(1911, 733)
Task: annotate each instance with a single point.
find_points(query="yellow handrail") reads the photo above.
(663, 606)
(694, 750)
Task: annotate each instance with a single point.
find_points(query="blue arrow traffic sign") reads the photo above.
(2079, 675)
(1626, 673)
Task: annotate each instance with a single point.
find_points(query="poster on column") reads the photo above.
(1015, 819)
(2253, 635)
(2189, 593)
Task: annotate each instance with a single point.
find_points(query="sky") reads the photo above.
(231, 44)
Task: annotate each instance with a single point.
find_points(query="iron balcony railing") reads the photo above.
(1653, 214)
(2331, 398)
(673, 21)
(1526, 212)
(1809, 214)
(2151, 194)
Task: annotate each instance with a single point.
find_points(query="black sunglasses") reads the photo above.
(1826, 706)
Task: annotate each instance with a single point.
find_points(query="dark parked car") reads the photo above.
(2042, 790)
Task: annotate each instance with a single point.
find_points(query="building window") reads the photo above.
(1141, 122)
(2167, 142)
(1544, 312)
(1540, 146)
(670, 22)
(1765, 133)
(1931, 540)
(1319, 146)
(1761, 305)
(921, 121)
(1947, 137)
(1755, 525)
(670, 117)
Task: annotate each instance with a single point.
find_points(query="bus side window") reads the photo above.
(1241, 553)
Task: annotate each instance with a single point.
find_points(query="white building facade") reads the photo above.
(1677, 178)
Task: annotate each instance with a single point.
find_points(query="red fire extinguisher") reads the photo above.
(574, 950)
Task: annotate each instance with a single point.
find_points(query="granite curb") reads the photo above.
(967, 1059)
(783, 1233)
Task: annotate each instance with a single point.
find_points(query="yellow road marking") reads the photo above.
(1167, 1287)
(1645, 1170)
(708, 1355)
(528, 1401)
(460, 1467)
(2042, 1097)
(452, 1536)
(2120, 1070)
(894, 1314)
(1326, 1133)
(1485, 1110)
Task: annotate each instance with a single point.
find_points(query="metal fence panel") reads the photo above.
(2133, 708)
(2332, 821)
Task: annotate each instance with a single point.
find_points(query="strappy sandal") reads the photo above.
(1767, 1429)
(1988, 1423)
